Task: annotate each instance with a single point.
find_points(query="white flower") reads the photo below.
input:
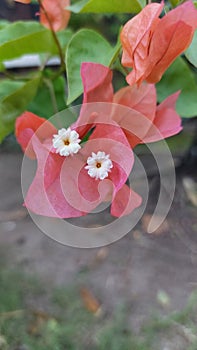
(66, 142)
(99, 165)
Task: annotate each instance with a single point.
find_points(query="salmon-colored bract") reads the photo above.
(56, 14)
(150, 44)
(53, 13)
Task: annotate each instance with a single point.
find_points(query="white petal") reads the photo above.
(106, 165)
(59, 142)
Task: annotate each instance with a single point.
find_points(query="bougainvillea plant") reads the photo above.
(88, 162)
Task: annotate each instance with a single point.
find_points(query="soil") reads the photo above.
(131, 271)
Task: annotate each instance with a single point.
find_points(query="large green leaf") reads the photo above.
(21, 38)
(191, 52)
(180, 77)
(107, 6)
(86, 46)
(14, 98)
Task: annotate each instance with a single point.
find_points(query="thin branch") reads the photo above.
(118, 66)
(49, 85)
(54, 34)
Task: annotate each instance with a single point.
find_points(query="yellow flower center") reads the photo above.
(66, 142)
(98, 165)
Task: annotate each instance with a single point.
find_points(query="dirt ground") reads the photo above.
(133, 270)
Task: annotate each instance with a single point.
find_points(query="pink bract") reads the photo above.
(62, 187)
(141, 115)
(26, 125)
(150, 44)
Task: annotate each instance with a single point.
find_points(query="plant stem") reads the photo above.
(120, 68)
(49, 85)
(16, 77)
(54, 35)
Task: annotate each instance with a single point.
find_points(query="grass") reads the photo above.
(32, 316)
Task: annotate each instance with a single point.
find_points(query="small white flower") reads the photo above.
(99, 165)
(66, 142)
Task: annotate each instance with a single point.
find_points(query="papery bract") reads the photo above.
(56, 14)
(151, 44)
(26, 125)
(167, 122)
(127, 118)
(97, 82)
(62, 187)
(45, 196)
(97, 87)
(144, 128)
(141, 117)
(85, 192)
(53, 13)
(142, 99)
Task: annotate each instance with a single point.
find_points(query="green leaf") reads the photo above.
(180, 77)
(191, 52)
(2, 67)
(86, 46)
(142, 3)
(21, 38)
(174, 3)
(107, 6)
(64, 37)
(50, 98)
(14, 98)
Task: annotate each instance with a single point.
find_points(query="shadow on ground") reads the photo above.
(145, 273)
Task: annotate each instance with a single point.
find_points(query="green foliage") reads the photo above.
(180, 77)
(191, 52)
(116, 335)
(174, 2)
(50, 97)
(64, 37)
(11, 300)
(86, 46)
(14, 98)
(2, 67)
(21, 38)
(110, 6)
(64, 322)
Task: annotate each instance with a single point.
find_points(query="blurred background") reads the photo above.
(139, 293)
